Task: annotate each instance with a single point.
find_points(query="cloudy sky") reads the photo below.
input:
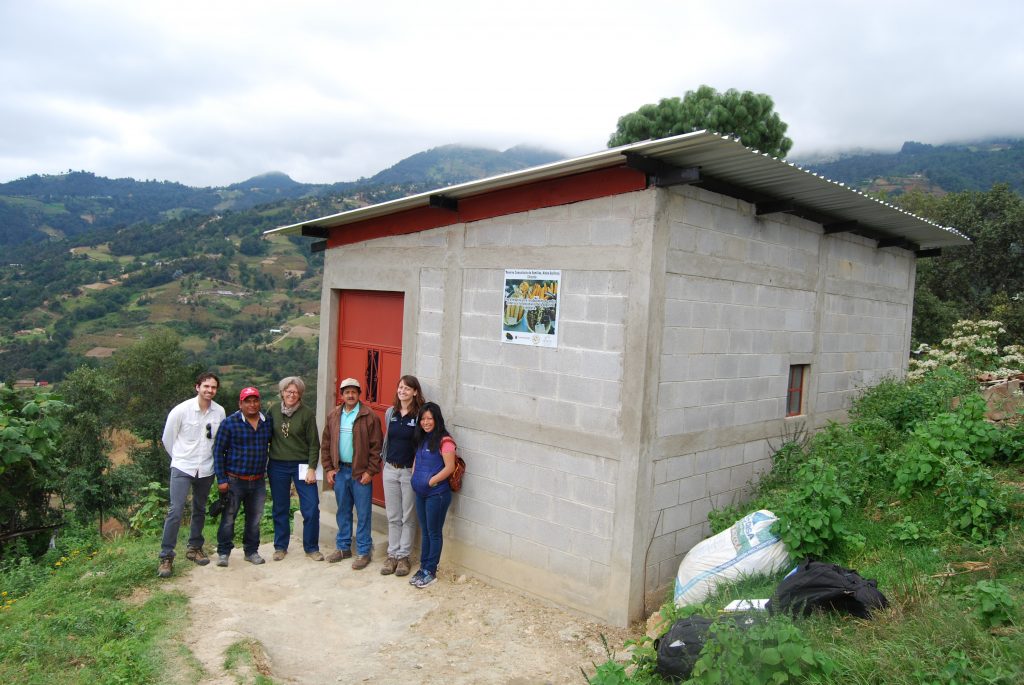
(214, 92)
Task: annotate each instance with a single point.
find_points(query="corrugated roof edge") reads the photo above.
(710, 152)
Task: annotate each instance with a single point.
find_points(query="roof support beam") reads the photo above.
(315, 231)
(662, 174)
(840, 227)
(444, 202)
(776, 207)
(925, 254)
(898, 242)
(318, 246)
(721, 187)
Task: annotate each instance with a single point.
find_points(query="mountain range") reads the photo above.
(41, 207)
(91, 264)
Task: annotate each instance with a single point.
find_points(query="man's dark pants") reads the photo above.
(252, 494)
(180, 484)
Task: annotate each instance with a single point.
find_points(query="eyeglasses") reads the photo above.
(209, 431)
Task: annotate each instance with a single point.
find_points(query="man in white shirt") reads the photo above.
(188, 438)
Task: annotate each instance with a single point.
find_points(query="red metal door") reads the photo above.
(370, 350)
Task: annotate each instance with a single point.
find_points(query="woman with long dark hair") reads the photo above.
(435, 461)
(398, 453)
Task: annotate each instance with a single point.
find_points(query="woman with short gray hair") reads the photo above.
(294, 453)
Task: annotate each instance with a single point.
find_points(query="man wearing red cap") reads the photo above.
(240, 455)
(350, 454)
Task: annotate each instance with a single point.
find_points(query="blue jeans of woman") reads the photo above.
(252, 494)
(350, 492)
(281, 475)
(431, 511)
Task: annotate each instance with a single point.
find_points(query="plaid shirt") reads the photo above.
(241, 450)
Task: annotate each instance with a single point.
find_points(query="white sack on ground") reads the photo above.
(748, 547)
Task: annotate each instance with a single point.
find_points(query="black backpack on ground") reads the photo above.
(818, 585)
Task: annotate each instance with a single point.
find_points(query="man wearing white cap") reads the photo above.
(350, 454)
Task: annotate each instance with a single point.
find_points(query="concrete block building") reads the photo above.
(703, 299)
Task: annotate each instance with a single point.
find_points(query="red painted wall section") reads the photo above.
(550, 193)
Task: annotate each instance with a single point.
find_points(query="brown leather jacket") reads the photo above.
(367, 439)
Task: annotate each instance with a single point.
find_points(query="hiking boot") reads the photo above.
(426, 579)
(416, 577)
(337, 555)
(255, 558)
(403, 567)
(197, 556)
(166, 567)
(315, 555)
(279, 554)
(389, 566)
(222, 560)
(361, 562)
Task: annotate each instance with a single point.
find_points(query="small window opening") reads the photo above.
(795, 393)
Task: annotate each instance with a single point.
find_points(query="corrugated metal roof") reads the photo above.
(725, 165)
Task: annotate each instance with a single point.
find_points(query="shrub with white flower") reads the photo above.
(973, 348)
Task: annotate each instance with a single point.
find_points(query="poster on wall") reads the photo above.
(530, 315)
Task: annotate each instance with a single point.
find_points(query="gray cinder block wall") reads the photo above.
(593, 465)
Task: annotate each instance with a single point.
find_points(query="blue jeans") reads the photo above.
(252, 494)
(281, 475)
(180, 484)
(431, 511)
(349, 492)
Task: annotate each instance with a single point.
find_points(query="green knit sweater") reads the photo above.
(296, 437)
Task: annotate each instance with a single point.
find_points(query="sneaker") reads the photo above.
(197, 556)
(166, 567)
(390, 564)
(416, 577)
(279, 554)
(315, 555)
(403, 567)
(426, 579)
(361, 562)
(255, 558)
(337, 555)
(222, 560)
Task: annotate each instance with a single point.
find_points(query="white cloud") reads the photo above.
(213, 93)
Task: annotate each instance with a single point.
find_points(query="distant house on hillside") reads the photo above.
(615, 340)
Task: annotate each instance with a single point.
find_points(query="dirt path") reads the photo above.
(325, 623)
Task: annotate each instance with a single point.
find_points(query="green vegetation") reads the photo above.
(749, 116)
(88, 612)
(918, 491)
(952, 168)
(91, 610)
(29, 433)
(979, 281)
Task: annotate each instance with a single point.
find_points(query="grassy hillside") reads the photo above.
(124, 258)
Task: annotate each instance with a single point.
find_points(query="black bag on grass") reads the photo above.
(818, 585)
(679, 648)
